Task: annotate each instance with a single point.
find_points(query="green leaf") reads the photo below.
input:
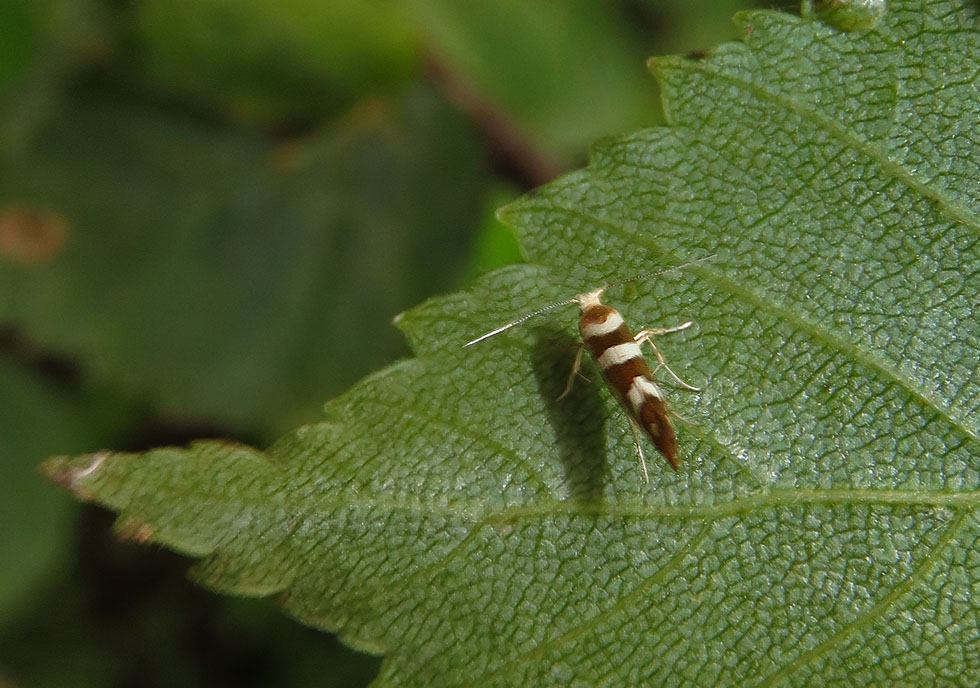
(38, 418)
(207, 271)
(516, 54)
(823, 527)
(271, 61)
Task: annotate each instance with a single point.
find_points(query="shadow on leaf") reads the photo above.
(578, 419)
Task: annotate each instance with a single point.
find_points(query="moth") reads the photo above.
(617, 352)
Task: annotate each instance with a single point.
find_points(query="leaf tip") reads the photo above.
(69, 473)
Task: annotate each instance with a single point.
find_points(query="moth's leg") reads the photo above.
(639, 449)
(647, 335)
(683, 419)
(575, 371)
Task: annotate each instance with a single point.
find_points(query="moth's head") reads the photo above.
(590, 299)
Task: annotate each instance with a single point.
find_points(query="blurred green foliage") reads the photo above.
(210, 210)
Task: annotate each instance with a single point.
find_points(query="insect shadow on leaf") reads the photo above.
(578, 420)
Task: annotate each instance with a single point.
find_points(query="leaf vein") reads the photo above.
(837, 638)
(948, 206)
(621, 604)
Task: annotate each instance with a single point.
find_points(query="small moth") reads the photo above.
(616, 351)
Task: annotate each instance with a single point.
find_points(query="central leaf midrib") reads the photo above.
(779, 498)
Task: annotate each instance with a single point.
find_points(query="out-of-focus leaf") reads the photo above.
(43, 41)
(568, 71)
(273, 61)
(20, 21)
(691, 25)
(495, 244)
(823, 528)
(225, 278)
(36, 418)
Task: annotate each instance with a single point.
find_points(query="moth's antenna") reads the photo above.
(521, 319)
(558, 304)
(648, 275)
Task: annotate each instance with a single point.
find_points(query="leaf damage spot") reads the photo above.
(31, 236)
(97, 460)
(134, 530)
